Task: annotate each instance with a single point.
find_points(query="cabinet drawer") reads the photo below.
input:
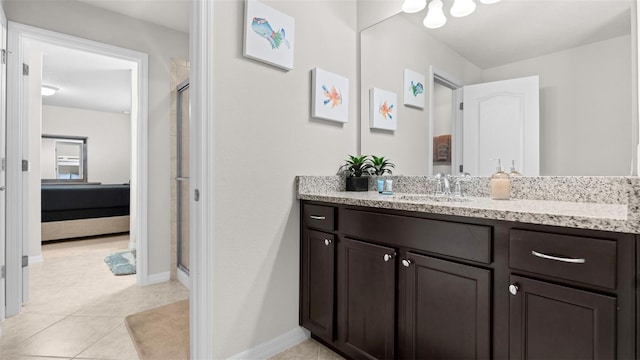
(582, 259)
(319, 217)
(464, 241)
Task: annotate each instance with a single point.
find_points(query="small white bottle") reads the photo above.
(500, 183)
(513, 171)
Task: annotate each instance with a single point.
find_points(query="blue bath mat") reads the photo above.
(121, 263)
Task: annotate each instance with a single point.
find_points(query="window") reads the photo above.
(63, 159)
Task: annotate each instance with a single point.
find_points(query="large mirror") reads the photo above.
(581, 51)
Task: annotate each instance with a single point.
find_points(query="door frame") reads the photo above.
(202, 218)
(454, 84)
(17, 142)
(3, 123)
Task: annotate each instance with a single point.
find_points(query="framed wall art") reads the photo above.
(383, 109)
(329, 96)
(414, 89)
(268, 35)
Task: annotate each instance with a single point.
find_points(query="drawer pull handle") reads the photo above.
(314, 217)
(387, 257)
(557, 258)
(513, 289)
(327, 242)
(406, 262)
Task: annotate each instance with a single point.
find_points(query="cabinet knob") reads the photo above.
(387, 257)
(327, 242)
(513, 289)
(406, 262)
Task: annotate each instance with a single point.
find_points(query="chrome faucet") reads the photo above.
(445, 183)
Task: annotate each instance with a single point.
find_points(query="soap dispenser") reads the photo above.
(513, 171)
(500, 183)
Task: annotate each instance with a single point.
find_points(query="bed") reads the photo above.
(79, 210)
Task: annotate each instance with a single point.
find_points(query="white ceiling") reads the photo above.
(513, 30)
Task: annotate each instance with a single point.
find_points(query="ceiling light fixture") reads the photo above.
(435, 15)
(48, 90)
(462, 8)
(413, 6)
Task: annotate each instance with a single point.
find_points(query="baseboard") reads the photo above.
(35, 259)
(274, 346)
(182, 277)
(158, 278)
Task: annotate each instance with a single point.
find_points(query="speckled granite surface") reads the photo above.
(598, 203)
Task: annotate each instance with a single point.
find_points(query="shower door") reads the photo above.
(182, 176)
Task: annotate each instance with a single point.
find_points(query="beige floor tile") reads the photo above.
(70, 336)
(305, 350)
(16, 328)
(116, 345)
(41, 358)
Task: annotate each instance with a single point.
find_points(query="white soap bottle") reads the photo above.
(514, 172)
(500, 183)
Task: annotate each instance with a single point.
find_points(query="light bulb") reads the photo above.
(462, 8)
(435, 17)
(489, 1)
(47, 90)
(413, 6)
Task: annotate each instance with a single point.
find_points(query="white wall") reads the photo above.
(162, 44)
(108, 143)
(387, 49)
(35, 116)
(264, 137)
(585, 120)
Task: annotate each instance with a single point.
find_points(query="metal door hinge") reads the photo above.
(196, 195)
(25, 165)
(461, 168)
(25, 69)
(25, 261)
(4, 56)
(461, 106)
(4, 164)
(3, 272)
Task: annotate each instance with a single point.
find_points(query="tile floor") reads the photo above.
(77, 307)
(308, 350)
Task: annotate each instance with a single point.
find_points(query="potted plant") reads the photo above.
(355, 167)
(381, 166)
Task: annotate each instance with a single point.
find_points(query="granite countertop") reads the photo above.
(616, 216)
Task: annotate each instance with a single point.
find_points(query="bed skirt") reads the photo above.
(67, 229)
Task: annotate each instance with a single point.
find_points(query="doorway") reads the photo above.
(21, 39)
(445, 123)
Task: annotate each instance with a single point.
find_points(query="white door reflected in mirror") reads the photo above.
(501, 119)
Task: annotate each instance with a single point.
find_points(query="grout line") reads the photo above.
(95, 342)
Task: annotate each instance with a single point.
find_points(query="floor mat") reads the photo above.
(161, 333)
(121, 263)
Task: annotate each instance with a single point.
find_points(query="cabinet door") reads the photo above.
(555, 322)
(317, 272)
(366, 299)
(446, 310)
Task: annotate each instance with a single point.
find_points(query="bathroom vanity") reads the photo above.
(414, 277)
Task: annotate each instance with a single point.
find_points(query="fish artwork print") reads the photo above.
(417, 88)
(385, 110)
(276, 38)
(334, 96)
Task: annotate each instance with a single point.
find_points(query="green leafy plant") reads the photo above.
(357, 165)
(381, 166)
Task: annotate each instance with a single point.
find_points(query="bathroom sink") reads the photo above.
(431, 197)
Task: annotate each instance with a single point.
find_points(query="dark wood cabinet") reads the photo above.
(366, 299)
(447, 310)
(388, 284)
(317, 285)
(549, 321)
